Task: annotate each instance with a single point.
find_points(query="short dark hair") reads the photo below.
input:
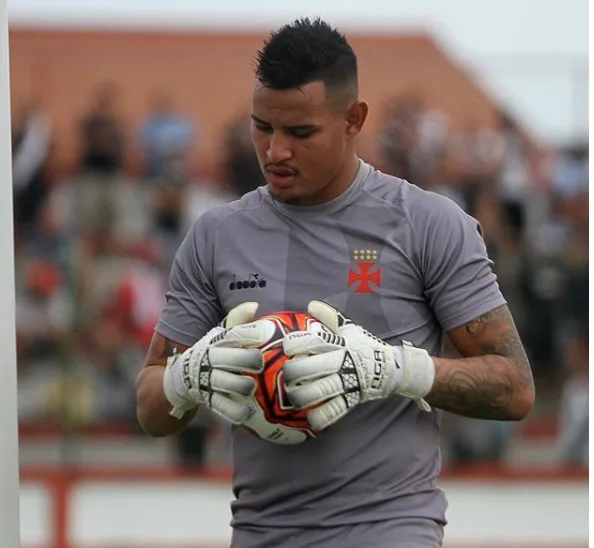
(306, 51)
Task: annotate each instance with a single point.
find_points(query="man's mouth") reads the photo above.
(280, 176)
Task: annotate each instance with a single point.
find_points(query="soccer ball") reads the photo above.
(274, 418)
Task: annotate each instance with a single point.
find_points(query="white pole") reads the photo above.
(9, 465)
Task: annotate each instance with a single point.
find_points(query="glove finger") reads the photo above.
(240, 360)
(242, 313)
(277, 433)
(325, 313)
(236, 412)
(327, 414)
(232, 383)
(332, 318)
(248, 335)
(306, 342)
(303, 369)
(306, 395)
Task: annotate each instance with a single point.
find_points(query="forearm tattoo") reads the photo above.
(167, 349)
(160, 349)
(489, 384)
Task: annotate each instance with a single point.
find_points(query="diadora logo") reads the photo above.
(366, 272)
(253, 281)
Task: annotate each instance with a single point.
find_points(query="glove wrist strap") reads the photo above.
(174, 387)
(417, 372)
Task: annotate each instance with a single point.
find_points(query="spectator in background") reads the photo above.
(242, 171)
(569, 185)
(413, 139)
(168, 209)
(513, 179)
(570, 172)
(43, 312)
(541, 281)
(31, 143)
(201, 195)
(472, 441)
(432, 135)
(477, 153)
(575, 309)
(573, 443)
(102, 135)
(49, 240)
(397, 137)
(100, 174)
(165, 138)
(176, 201)
(125, 323)
(487, 211)
(133, 305)
(551, 278)
(112, 387)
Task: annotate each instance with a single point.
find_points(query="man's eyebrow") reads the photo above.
(293, 128)
(259, 121)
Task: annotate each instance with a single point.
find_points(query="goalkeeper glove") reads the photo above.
(210, 372)
(349, 366)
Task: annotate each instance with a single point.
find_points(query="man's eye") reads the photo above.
(302, 134)
(265, 129)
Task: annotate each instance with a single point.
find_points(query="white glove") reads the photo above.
(350, 366)
(211, 372)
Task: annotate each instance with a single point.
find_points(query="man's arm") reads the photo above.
(493, 379)
(152, 407)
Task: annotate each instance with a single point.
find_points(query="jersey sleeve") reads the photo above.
(458, 277)
(191, 303)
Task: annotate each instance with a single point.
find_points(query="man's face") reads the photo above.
(303, 142)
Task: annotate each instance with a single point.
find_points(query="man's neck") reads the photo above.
(343, 181)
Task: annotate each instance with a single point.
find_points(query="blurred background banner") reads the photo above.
(130, 119)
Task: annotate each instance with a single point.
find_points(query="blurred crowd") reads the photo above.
(93, 251)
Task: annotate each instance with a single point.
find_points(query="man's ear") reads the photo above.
(355, 119)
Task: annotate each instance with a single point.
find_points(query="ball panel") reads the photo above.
(276, 420)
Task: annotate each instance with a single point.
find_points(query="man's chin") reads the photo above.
(287, 196)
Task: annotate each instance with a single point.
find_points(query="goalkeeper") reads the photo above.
(330, 233)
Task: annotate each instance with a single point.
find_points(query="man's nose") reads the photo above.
(278, 148)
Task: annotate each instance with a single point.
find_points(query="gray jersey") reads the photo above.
(400, 261)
